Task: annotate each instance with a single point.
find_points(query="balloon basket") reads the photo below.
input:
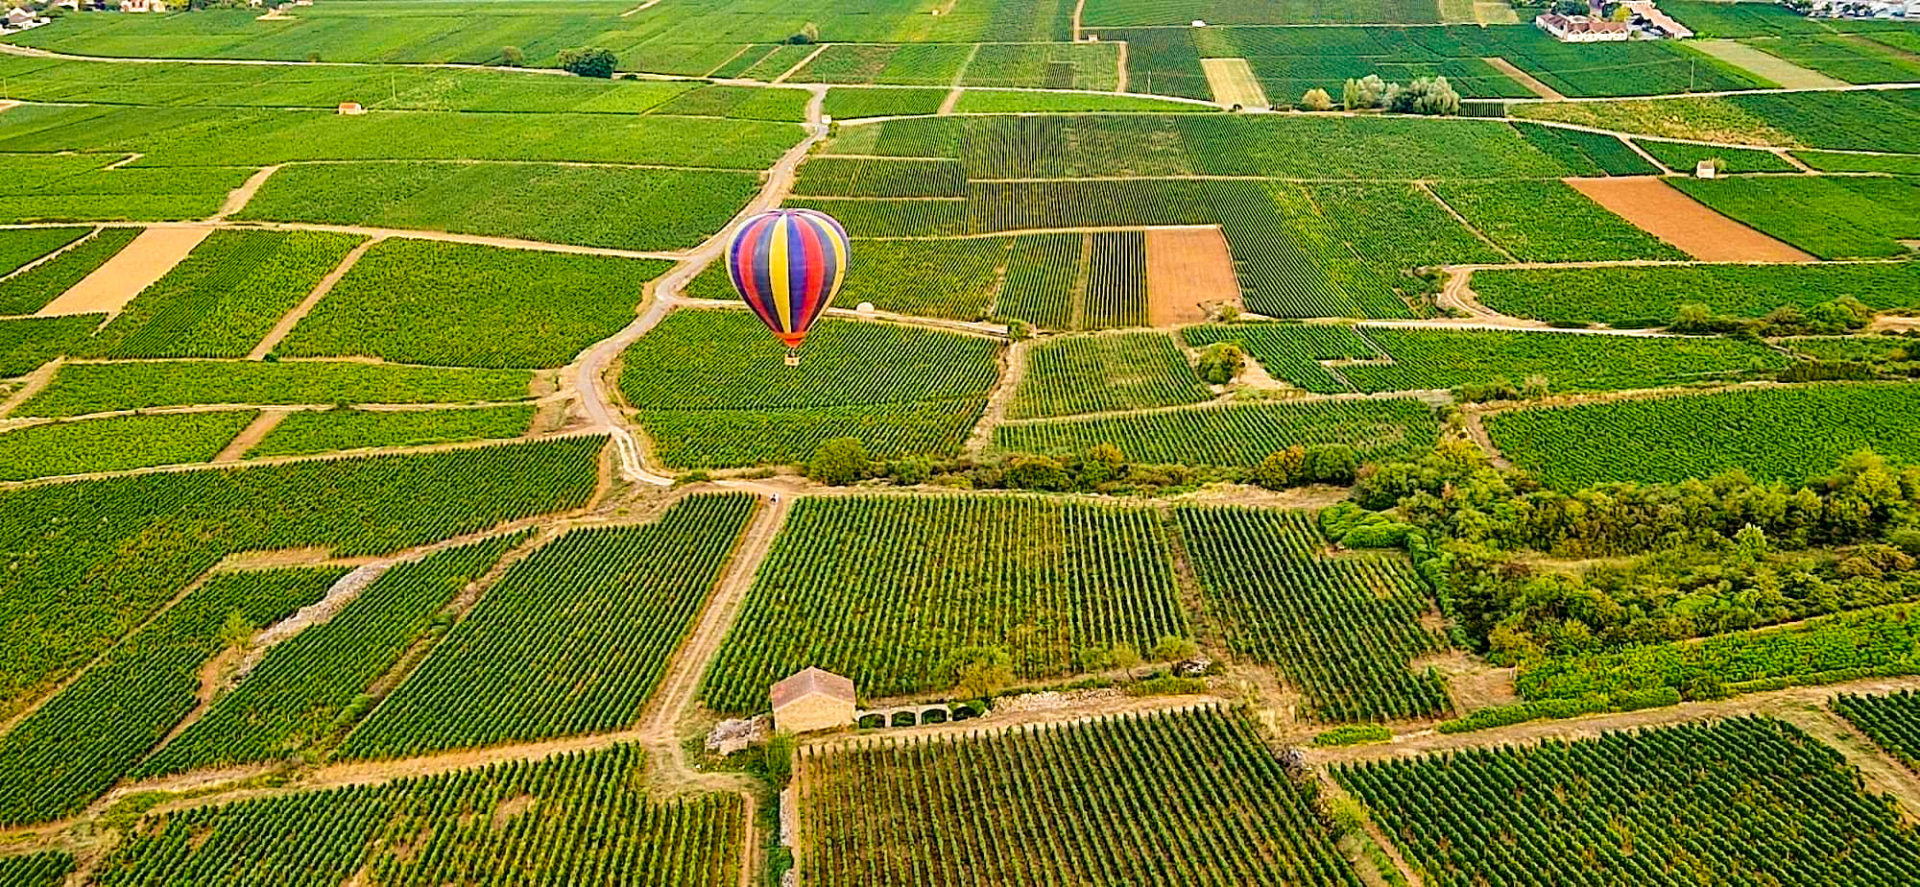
(793, 358)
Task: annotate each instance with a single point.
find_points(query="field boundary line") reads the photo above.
(37, 382)
(1428, 741)
(1334, 790)
(729, 60)
(801, 64)
(56, 253)
(1482, 235)
(1657, 163)
(1878, 769)
(284, 327)
(1120, 87)
(30, 421)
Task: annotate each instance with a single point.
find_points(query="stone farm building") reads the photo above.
(813, 699)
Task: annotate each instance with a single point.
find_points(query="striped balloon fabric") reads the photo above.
(787, 265)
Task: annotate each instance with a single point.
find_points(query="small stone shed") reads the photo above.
(813, 699)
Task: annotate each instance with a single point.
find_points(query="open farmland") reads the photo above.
(1424, 480)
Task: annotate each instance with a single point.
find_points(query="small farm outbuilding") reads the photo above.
(813, 699)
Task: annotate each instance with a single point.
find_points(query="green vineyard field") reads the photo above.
(83, 388)
(1235, 434)
(326, 431)
(885, 589)
(117, 443)
(1093, 374)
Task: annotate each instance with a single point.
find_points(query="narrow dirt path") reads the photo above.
(1012, 372)
(1883, 774)
(1457, 217)
(589, 374)
(1333, 790)
(238, 198)
(801, 64)
(251, 436)
(285, 326)
(1525, 79)
(1477, 432)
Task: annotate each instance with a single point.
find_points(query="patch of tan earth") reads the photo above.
(1767, 65)
(312, 556)
(1666, 213)
(1881, 773)
(8, 106)
(111, 286)
(1888, 323)
(1471, 683)
(1188, 269)
(1523, 78)
(1233, 83)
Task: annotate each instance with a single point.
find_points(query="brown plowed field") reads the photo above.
(1672, 216)
(1188, 269)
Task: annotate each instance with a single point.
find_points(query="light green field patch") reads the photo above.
(1233, 83)
(1487, 12)
(1770, 67)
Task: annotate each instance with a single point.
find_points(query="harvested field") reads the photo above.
(1525, 79)
(110, 287)
(1188, 269)
(1772, 67)
(1233, 83)
(1664, 212)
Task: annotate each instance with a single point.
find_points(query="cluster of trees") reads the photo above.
(589, 62)
(1838, 317)
(1689, 558)
(1432, 96)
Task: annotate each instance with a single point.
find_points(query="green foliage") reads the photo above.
(1621, 794)
(1833, 217)
(224, 297)
(116, 443)
(1429, 96)
(1587, 153)
(999, 101)
(304, 690)
(1682, 157)
(885, 589)
(714, 392)
(20, 246)
(1352, 734)
(1091, 374)
(477, 825)
(1648, 297)
(454, 304)
(1567, 361)
(1293, 353)
(598, 612)
(1220, 363)
(1550, 222)
(28, 342)
(82, 388)
(1889, 719)
(853, 808)
(31, 290)
(165, 529)
(978, 672)
(45, 868)
(1840, 647)
(589, 62)
(610, 206)
(1343, 629)
(1238, 435)
(1548, 709)
(851, 103)
(76, 746)
(839, 462)
(1776, 433)
(326, 431)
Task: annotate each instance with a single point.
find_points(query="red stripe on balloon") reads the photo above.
(816, 294)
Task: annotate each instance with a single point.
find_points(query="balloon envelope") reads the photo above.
(787, 265)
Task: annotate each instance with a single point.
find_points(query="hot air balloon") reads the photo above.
(787, 265)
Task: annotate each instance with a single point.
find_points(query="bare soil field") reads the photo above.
(1188, 269)
(1674, 217)
(1524, 79)
(110, 287)
(1233, 83)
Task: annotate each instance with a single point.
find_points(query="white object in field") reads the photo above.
(351, 109)
(1199, 23)
(865, 308)
(826, 120)
(1706, 169)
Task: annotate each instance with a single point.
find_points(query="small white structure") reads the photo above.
(1582, 29)
(813, 699)
(1199, 23)
(1707, 169)
(350, 109)
(143, 5)
(19, 17)
(865, 309)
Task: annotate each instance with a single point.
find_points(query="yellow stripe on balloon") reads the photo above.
(828, 234)
(777, 271)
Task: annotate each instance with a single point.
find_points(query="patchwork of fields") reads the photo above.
(1457, 491)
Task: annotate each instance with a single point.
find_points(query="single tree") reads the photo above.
(840, 461)
(513, 57)
(1316, 99)
(1222, 362)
